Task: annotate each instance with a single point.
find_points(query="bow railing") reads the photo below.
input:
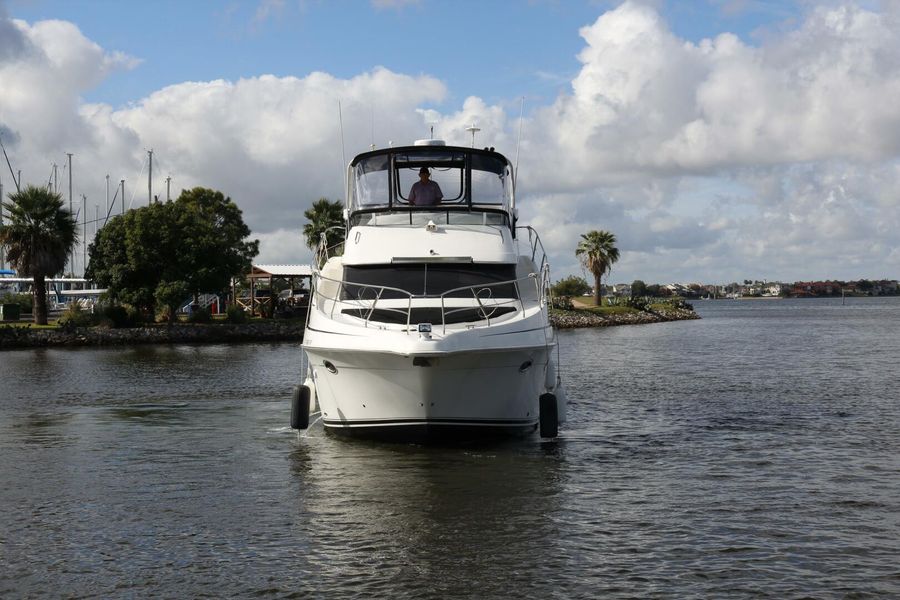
(365, 299)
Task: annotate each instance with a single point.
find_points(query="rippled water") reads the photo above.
(754, 453)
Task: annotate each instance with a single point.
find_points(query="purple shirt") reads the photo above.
(425, 193)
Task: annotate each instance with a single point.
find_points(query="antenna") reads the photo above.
(150, 178)
(474, 130)
(519, 141)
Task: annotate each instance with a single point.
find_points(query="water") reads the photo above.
(754, 453)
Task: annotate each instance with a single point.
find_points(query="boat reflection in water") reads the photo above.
(435, 520)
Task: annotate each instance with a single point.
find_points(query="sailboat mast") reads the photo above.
(150, 179)
(71, 212)
(2, 253)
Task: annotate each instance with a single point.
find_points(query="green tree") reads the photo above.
(38, 235)
(158, 255)
(134, 253)
(571, 286)
(321, 217)
(213, 245)
(638, 288)
(597, 251)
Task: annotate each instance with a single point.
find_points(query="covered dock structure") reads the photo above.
(293, 283)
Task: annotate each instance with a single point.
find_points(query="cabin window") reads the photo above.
(429, 280)
(490, 180)
(447, 170)
(371, 188)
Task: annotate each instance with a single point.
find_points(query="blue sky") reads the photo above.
(720, 140)
(498, 50)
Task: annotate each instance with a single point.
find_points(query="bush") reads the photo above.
(135, 317)
(639, 303)
(25, 301)
(200, 315)
(76, 316)
(571, 286)
(115, 315)
(235, 314)
(118, 316)
(562, 303)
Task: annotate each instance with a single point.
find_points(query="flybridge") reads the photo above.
(470, 180)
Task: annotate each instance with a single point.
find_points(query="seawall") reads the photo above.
(571, 319)
(267, 331)
(184, 333)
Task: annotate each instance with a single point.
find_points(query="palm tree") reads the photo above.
(323, 215)
(38, 237)
(598, 252)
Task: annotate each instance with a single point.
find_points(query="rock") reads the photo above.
(182, 333)
(583, 318)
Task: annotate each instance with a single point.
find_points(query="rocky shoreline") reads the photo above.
(182, 333)
(571, 319)
(268, 331)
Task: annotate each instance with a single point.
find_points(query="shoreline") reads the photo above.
(181, 333)
(19, 337)
(577, 319)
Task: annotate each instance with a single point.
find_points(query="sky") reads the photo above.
(719, 140)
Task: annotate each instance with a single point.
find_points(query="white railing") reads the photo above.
(205, 301)
(534, 241)
(324, 252)
(448, 302)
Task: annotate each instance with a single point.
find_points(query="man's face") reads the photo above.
(423, 176)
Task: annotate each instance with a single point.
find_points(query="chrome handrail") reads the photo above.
(381, 289)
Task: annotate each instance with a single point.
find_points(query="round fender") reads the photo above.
(300, 407)
(549, 416)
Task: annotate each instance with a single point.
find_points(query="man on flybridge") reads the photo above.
(425, 192)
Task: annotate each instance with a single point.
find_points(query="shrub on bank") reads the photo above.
(76, 316)
(117, 316)
(562, 303)
(200, 315)
(25, 301)
(235, 314)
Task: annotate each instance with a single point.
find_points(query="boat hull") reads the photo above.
(454, 395)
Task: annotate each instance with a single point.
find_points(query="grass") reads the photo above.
(587, 304)
(49, 325)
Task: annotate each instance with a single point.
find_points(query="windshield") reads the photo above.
(437, 176)
(430, 280)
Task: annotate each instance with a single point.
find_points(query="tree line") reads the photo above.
(151, 258)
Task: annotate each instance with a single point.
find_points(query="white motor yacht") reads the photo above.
(431, 321)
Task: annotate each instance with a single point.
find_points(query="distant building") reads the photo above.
(621, 289)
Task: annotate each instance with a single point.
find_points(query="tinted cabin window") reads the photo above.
(430, 280)
(371, 185)
(490, 180)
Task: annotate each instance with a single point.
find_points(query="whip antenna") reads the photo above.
(519, 141)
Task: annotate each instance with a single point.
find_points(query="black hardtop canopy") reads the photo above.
(438, 155)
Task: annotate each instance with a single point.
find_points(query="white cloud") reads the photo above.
(715, 160)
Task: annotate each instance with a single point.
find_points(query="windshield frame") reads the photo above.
(401, 159)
